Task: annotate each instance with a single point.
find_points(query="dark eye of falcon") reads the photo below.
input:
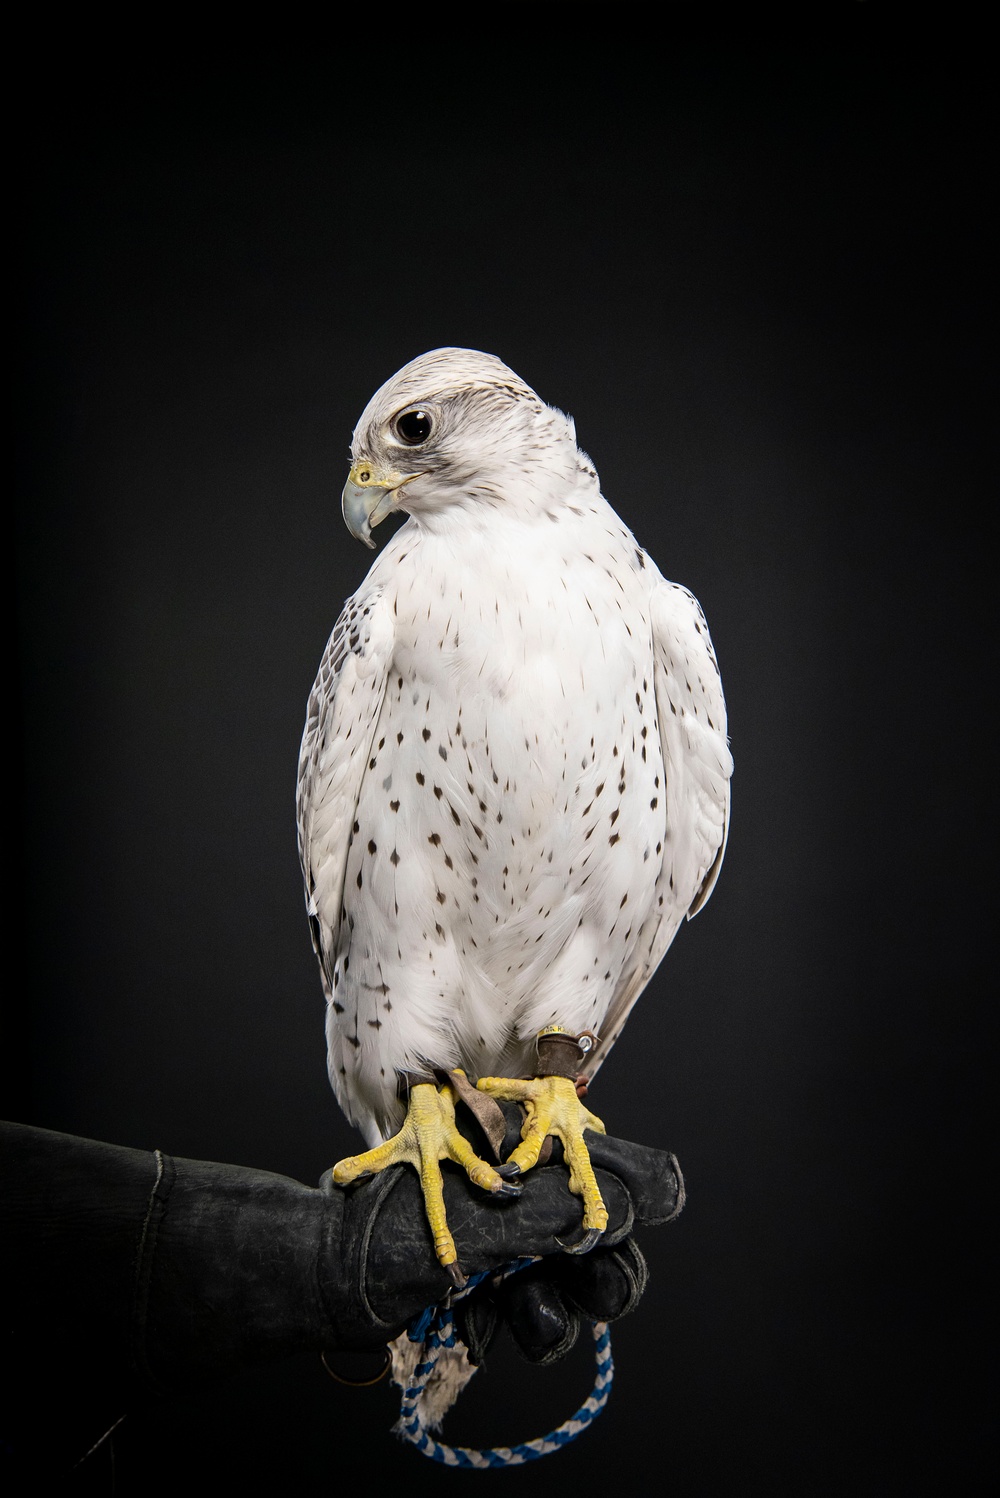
(413, 427)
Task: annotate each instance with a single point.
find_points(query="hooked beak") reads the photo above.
(370, 494)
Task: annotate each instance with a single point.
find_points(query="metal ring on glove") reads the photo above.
(359, 1383)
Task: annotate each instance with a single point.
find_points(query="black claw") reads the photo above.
(508, 1189)
(454, 1273)
(509, 1170)
(581, 1245)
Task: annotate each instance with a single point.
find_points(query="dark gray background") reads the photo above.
(755, 279)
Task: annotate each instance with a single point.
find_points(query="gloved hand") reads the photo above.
(542, 1306)
(386, 1254)
(186, 1270)
(171, 1272)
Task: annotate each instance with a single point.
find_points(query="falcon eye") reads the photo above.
(413, 427)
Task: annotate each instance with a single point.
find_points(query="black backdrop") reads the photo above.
(754, 278)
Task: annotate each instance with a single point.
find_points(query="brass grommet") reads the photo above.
(359, 1383)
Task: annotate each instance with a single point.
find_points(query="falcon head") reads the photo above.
(451, 427)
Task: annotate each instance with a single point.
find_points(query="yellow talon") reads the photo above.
(552, 1107)
(429, 1135)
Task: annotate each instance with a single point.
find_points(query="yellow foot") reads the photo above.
(552, 1107)
(429, 1135)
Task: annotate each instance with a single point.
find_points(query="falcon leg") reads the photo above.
(552, 1106)
(429, 1135)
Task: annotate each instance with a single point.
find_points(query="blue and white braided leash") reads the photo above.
(436, 1329)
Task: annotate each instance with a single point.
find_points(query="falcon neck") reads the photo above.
(510, 510)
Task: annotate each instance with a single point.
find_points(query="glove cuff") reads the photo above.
(227, 1272)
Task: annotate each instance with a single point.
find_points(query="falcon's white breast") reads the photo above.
(514, 778)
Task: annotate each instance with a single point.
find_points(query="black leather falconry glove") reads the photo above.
(542, 1307)
(395, 1268)
(161, 1273)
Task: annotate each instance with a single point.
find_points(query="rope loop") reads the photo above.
(434, 1329)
